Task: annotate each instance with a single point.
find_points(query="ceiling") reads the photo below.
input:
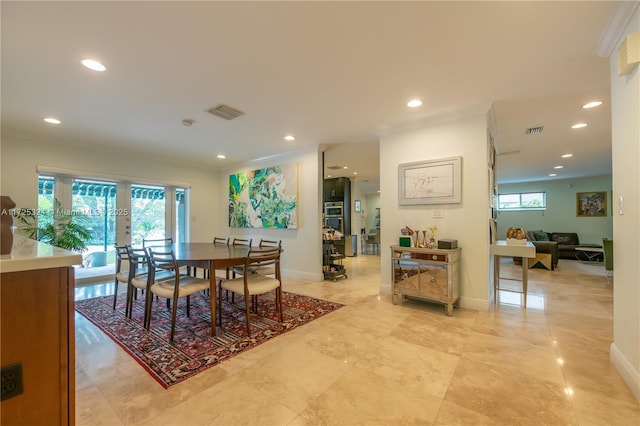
(334, 74)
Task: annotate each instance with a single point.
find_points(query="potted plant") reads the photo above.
(67, 230)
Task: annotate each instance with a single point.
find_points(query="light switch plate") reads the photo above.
(438, 213)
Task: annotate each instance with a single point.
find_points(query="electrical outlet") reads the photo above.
(11, 380)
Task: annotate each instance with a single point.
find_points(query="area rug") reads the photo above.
(194, 349)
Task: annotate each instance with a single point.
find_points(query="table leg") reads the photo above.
(525, 276)
(496, 277)
(212, 296)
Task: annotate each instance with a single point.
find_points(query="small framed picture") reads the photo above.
(357, 206)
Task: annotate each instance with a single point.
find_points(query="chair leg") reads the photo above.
(247, 313)
(188, 306)
(220, 303)
(115, 294)
(148, 301)
(279, 302)
(173, 319)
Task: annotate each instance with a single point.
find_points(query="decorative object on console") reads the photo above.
(447, 244)
(516, 236)
(432, 239)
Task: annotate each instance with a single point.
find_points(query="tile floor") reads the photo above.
(373, 363)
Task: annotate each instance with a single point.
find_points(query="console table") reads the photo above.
(501, 248)
(431, 274)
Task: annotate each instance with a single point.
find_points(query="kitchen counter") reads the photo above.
(28, 254)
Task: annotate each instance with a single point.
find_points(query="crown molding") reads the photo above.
(618, 22)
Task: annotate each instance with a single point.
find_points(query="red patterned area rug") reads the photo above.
(194, 349)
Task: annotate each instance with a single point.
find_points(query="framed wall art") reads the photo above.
(430, 182)
(591, 204)
(264, 198)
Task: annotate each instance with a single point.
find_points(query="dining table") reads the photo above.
(215, 256)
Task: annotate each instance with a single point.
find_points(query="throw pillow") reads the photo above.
(540, 236)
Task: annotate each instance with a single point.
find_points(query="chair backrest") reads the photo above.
(138, 260)
(221, 240)
(262, 257)
(242, 242)
(160, 258)
(270, 243)
(122, 254)
(155, 242)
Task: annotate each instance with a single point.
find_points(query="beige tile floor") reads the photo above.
(373, 363)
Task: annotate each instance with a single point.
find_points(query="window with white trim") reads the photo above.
(522, 201)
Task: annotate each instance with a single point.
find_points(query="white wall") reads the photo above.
(209, 193)
(467, 222)
(560, 215)
(625, 110)
(19, 158)
(302, 256)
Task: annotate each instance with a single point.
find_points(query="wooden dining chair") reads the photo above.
(251, 285)
(174, 288)
(122, 275)
(156, 242)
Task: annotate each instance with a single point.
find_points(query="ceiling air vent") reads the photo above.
(225, 111)
(335, 167)
(534, 130)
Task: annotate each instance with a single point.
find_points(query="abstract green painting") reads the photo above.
(264, 198)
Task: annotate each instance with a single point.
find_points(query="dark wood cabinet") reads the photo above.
(334, 189)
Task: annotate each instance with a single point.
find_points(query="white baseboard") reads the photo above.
(624, 367)
(475, 304)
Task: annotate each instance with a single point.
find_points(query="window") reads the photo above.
(523, 201)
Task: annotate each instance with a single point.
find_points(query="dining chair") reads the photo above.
(122, 275)
(155, 242)
(268, 269)
(252, 285)
(174, 288)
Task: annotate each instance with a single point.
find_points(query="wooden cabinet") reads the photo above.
(334, 189)
(37, 332)
(431, 274)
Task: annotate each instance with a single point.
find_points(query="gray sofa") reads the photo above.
(567, 243)
(561, 245)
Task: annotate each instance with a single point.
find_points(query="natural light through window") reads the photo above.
(523, 201)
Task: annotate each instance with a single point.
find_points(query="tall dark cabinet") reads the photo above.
(339, 189)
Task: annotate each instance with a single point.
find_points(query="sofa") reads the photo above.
(566, 243)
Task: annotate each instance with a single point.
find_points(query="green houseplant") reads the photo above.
(66, 229)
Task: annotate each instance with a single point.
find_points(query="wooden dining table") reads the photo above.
(216, 256)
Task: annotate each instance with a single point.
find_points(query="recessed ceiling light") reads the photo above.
(290, 138)
(414, 103)
(567, 155)
(592, 104)
(345, 167)
(328, 176)
(92, 64)
(355, 173)
(553, 174)
(558, 167)
(579, 125)
(52, 120)
(221, 156)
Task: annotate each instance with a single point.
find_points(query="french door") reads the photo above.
(117, 213)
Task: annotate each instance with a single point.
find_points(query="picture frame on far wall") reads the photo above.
(591, 204)
(430, 182)
(357, 207)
